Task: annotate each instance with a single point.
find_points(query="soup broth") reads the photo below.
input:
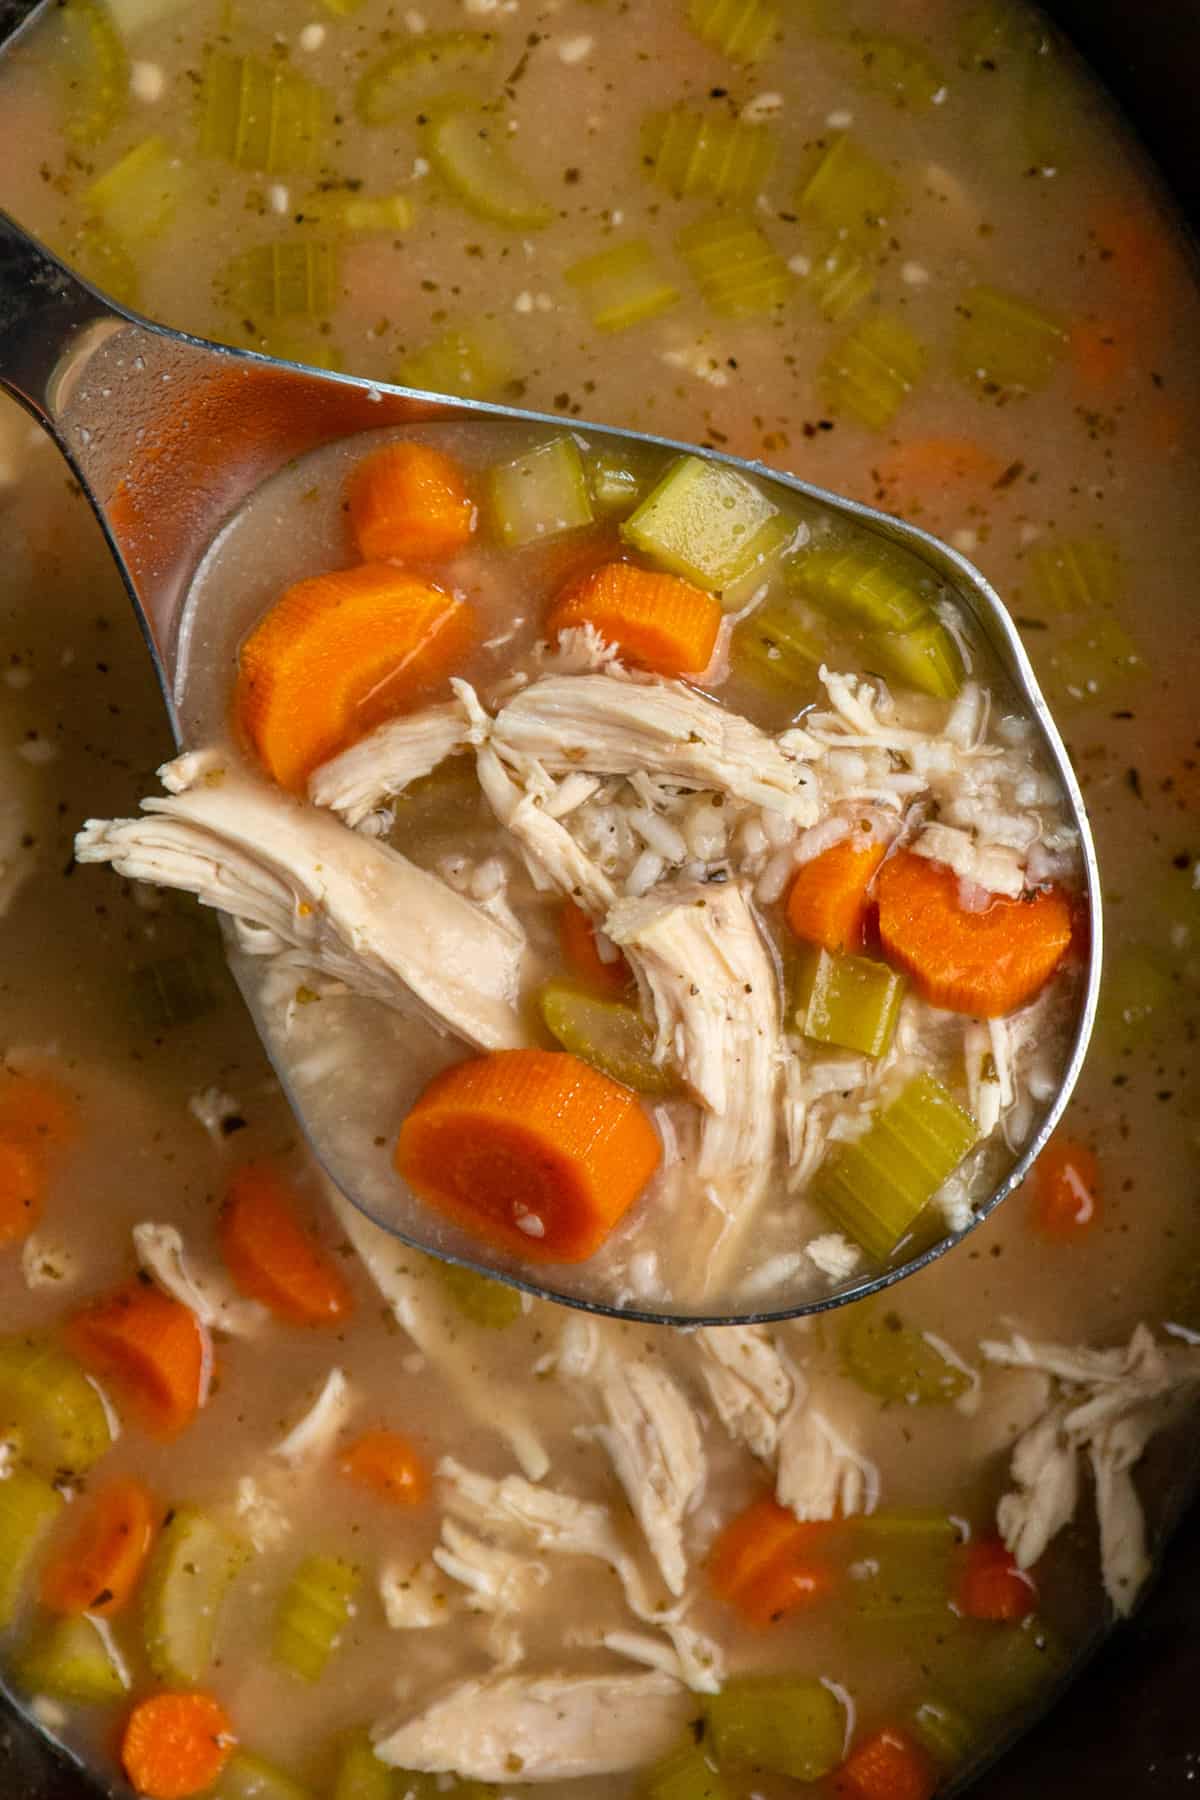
(1029, 391)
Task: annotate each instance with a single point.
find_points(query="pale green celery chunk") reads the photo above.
(344, 9)
(475, 361)
(688, 1773)
(875, 1187)
(139, 196)
(707, 153)
(313, 1613)
(1076, 574)
(926, 658)
(877, 587)
(618, 479)
(69, 1659)
(1043, 116)
(609, 1034)
(93, 68)
(734, 264)
(492, 1304)
(58, 1412)
(247, 1777)
(783, 1725)
(849, 194)
(903, 1566)
(361, 1775)
(776, 648)
(1100, 660)
(540, 494)
(296, 278)
(745, 30)
(469, 149)
(996, 33)
(261, 116)
(872, 372)
(895, 1361)
(1137, 988)
(702, 521)
(772, 547)
(28, 1508)
(433, 64)
(308, 347)
(897, 68)
(622, 286)
(943, 1730)
(848, 1001)
(362, 215)
(992, 1670)
(839, 279)
(101, 258)
(1004, 342)
(191, 1569)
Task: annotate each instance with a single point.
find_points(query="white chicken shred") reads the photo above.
(362, 779)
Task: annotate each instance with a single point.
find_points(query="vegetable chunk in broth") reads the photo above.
(287, 1509)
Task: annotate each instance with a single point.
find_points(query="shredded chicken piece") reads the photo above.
(265, 1519)
(213, 1299)
(553, 856)
(653, 1441)
(540, 1728)
(414, 1595)
(1108, 1404)
(45, 1264)
(498, 1580)
(365, 777)
(820, 1474)
(298, 878)
(312, 1436)
(748, 1382)
(399, 1275)
(611, 726)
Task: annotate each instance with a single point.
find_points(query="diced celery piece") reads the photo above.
(540, 494)
(1044, 127)
(734, 264)
(707, 153)
(311, 348)
(404, 80)
(783, 1725)
(1136, 989)
(848, 1001)
(247, 1777)
(139, 196)
(100, 257)
(622, 286)
(295, 278)
(191, 1570)
(873, 371)
(875, 1187)
(688, 1773)
(903, 1565)
(926, 658)
(1101, 659)
(28, 1508)
(874, 586)
(776, 648)
(943, 1730)
(894, 1360)
(360, 1774)
(992, 1670)
(93, 68)
(363, 215)
(609, 1034)
(492, 1304)
(996, 33)
(702, 521)
(1004, 342)
(743, 29)
(849, 193)
(898, 68)
(772, 547)
(70, 1660)
(313, 1613)
(475, 361)
(344, 9)
(468, 148)
(1076, 574)
(56, 1409)
(839, 279)
(618, 479)
(261, 116)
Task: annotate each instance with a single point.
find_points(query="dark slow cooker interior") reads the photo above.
(1128, 1725)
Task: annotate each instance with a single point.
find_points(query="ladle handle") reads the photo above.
(43, 308)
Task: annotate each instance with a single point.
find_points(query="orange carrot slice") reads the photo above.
(271, 1255)
(827, 902)
(1100, 354)
(1066, 1182)
(151, 1347)
(22, 1191)
(656, 621)
(409, 500)
(388, 1465)
(532, 1150)
(577, 941)
(889, 1765)
(337, 654)
(763, 1564)
(175, 1745)
(985, 963)
(924, 468)
(991, 1586)
(36, 1110)
(98, 1568)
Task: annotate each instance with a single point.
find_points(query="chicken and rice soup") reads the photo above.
(288, 1510)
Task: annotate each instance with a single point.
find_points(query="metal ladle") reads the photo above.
(169, 435)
